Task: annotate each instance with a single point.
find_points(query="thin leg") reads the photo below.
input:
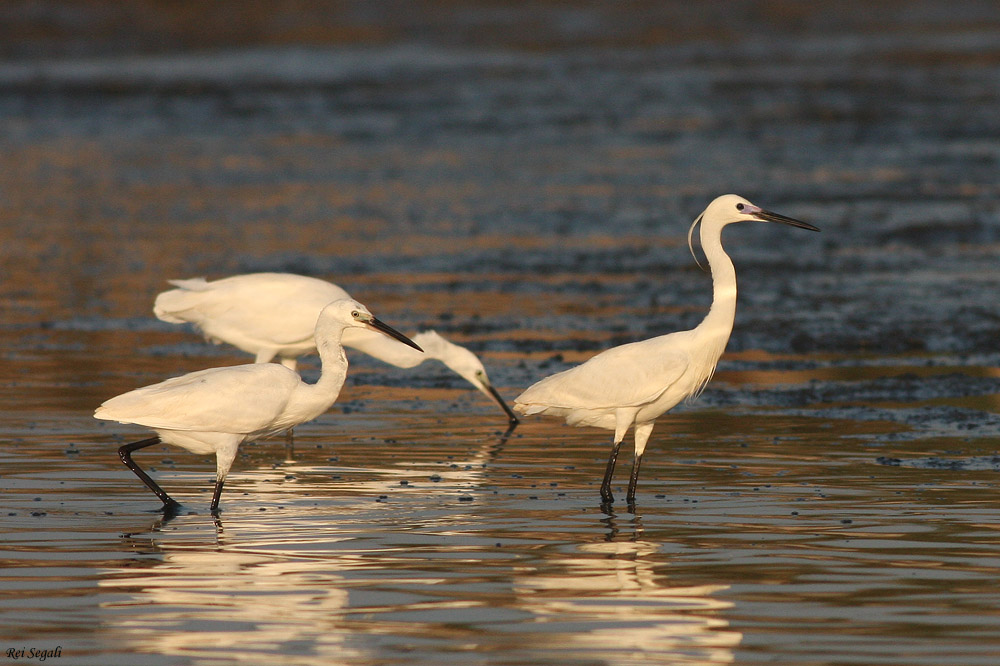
(633, 480)
(289, 445)
(125, 452)
(609, 471)
(216, 495)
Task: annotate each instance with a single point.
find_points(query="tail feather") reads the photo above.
(191, 284)
(529, 409)
(169, 304)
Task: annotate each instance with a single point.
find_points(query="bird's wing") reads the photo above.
(626, 376)
(271, 309)
(237, 399)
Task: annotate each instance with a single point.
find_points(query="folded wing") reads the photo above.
(627, 376)
(238, 399)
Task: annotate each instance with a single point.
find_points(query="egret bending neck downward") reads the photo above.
(215, 410)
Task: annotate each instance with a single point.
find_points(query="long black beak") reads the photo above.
(768, 216)
(393, 333)
(511, 417)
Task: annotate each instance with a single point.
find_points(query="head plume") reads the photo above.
(694, 224)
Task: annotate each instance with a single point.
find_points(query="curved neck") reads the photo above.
(311, 400)
(722, 314)
(334, 362)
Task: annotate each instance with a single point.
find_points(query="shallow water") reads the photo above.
(522, 182)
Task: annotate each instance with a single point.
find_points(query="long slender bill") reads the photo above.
(511, 417)
(768, 216)
(393, 333)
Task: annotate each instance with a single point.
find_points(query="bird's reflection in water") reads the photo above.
(362, 581)
(204, 597)
(613, 523)
(614, 598)
(295, 482)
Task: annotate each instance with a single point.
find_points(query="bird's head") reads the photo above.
(465, 364)
(349, 313)
(731, 208)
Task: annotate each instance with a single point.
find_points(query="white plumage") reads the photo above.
(215, 410)
(197, 401)
(632, 385)
(273, 315)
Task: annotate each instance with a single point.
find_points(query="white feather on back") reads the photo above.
(627, 376)
(246, 398)
(254, 311)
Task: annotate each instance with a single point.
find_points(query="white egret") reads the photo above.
(273, 315)
(631, 385)
(216, 410)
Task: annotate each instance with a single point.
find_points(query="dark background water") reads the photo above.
(520, 177)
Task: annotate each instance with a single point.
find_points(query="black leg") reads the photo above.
(633, 480)
(170, 506)
(609, 471)
(289, 445)
(216, 495)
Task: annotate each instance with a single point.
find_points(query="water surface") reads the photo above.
(523, 184)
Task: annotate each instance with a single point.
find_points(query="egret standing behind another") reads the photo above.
(216, 410)
(631, 385)
(273, 315)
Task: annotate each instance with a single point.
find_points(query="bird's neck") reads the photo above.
(384, 348)
(334, 362)
(720, 318)
(311, 400)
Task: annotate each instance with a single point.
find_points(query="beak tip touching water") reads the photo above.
(512, 419)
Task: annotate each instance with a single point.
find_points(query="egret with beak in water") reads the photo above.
(631, 385)
(216, 410)
(272, 315)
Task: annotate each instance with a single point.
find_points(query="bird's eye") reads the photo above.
(355, 314)
(739, 206)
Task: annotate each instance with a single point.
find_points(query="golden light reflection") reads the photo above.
(316, 595)
(203, 604)
(620, 589)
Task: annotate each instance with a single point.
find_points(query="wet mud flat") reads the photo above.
(524, 186)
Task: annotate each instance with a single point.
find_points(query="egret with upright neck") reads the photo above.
(216, 410)
(631, 385)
